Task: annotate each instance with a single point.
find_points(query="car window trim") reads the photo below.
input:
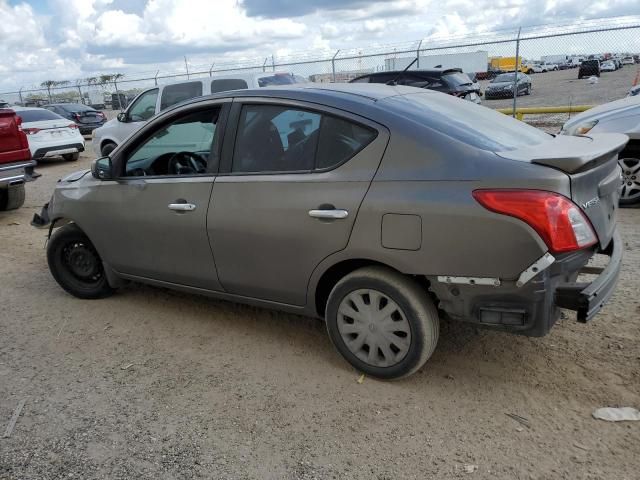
(120, 160)
(234, 124)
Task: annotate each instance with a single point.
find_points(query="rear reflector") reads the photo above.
(72, 125)
(559, 221)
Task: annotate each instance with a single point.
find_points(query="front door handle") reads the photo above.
(334, 214)
(182, 207)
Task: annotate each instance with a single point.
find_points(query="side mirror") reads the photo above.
(122, 117)
(102, 169)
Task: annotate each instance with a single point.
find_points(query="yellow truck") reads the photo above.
(505, 64)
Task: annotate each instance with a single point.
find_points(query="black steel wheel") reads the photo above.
(76, 265)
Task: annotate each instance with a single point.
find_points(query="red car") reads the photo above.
(16, 165)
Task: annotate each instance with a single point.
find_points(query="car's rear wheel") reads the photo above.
(630, 194)
(71, 157)
(382, 322)
(12, 197)
(76, 265)
(107, 148)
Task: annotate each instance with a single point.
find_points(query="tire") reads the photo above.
(528, 90)
(107, 148)
(401, 352)
(631, 179)
(71, 157)
(75, 264)
(12, 197)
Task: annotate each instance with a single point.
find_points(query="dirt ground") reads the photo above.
(153, 384)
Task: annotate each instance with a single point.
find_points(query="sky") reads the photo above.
(69, 39)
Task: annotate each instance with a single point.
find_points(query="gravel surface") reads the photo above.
(154, 384)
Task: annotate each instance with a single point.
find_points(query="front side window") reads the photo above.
(181, 148)
(144, 107)
(283, 139)
(225, 84)
(173, 94)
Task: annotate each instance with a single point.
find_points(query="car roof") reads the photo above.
(16, 108)
(421, 71)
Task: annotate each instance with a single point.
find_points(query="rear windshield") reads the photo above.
(37, 115)
(457, 79)
(591, 63)
(472, 124)
(278, 79)
(503, 78)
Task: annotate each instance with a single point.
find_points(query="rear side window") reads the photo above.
(283, 139)
(225, 84)
(340, 140)
(37, 115)
(177, 93)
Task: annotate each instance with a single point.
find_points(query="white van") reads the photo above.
(156, 99)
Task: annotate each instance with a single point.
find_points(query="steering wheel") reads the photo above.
(186, 163)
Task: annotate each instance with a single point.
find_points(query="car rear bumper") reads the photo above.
(88, 127)
(533, 308)
(17, 173)
(57, 150)
(588, 298)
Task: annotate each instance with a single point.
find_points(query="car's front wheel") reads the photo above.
(630, 194)
(382, 322)
(76, 265)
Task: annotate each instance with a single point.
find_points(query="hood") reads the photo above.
(75, 176)
(623, 107)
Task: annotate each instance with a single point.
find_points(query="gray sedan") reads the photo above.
(380, 209)
(503, 85)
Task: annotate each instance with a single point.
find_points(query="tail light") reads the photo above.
(559, 221)
(24, 143)
(30, 131)
(72, 125)
(76, 116)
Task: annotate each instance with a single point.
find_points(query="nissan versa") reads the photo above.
(378, 208)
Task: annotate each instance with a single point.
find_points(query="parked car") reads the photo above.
(16, 165)
(530, 68)
(589, 68)
(154, 100)
(502, 86)
(621, 116)
(86, 118)
(634, 91)
(50, 135)
(608, 66)
(372, 206)
(550, 67)
(628, 61)
(446, 80)
(4, 104)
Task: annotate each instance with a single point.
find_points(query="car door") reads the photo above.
(151, 221)
(292, 180)
(139, 112)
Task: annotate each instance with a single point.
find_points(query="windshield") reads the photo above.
(37, 115)
(277, 79)
(474, 125)
(457, 79)
(509, 77)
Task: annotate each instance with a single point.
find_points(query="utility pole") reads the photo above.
(186, 66)
(515, 74)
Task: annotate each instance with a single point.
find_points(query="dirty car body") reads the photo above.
(368, 205)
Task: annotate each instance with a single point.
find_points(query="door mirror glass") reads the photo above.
(122, 117)
(101, 169)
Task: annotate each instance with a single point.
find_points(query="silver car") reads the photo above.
(381, 209)
(620, 116)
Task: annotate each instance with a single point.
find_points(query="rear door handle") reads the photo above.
(334, 214)
(182, 207)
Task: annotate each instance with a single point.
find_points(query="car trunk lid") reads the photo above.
(88, 117)
(591, 164)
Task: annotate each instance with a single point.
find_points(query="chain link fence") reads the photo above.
(548, 58)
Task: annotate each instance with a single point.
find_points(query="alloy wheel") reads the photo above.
(630, 178)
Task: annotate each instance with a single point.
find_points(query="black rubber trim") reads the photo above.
(588, 298)
(41, 152)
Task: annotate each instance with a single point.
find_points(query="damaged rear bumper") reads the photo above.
(588, 298)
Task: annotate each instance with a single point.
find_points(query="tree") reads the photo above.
(49, 84)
